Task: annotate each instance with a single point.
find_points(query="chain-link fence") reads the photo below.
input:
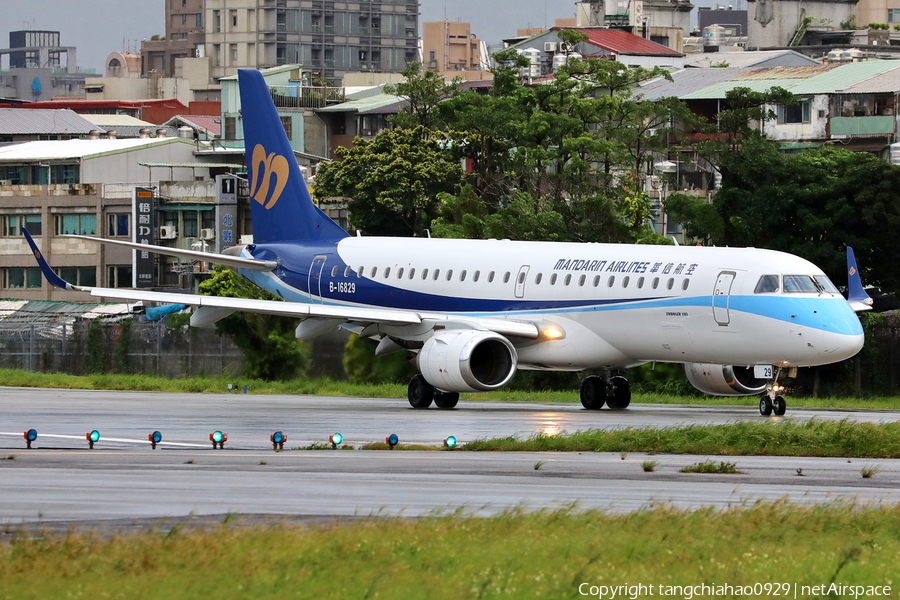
(140, 347)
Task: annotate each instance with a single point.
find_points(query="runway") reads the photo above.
(61, 481)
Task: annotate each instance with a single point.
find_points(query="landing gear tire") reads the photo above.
(619, 393)
(446, 400)
(420, 393)
(593, 392)
(765, 406)
(779, 406)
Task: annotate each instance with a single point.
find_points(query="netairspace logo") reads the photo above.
(689, 592)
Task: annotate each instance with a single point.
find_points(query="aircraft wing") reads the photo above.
(222, 259)
(212, 308)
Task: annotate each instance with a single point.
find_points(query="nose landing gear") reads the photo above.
(772, 402)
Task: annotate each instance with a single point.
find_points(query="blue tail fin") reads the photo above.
(281, 205)
(856, 294)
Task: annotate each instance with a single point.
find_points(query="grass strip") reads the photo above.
(521, 555)
(756, 438)
(328, 387)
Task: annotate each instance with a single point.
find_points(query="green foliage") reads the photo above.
(423, 90)
(393, 181)
(514, 554)
(123, 346)
(362, 366)
(711, 466)
(268, 342)
(96, 357)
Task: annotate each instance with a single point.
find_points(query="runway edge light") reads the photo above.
(30, 436)
(218, 439)
(278, 439)
(450, 442)
(92, 438)
(392, 440)
(336, 440)
(154, 438)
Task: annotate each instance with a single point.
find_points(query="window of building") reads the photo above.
(798, 113)
(894, 15)
(233, 53)
(232, 16)
(198, 21)
(86, 276)
(76, 224)
(13, 224)
(118, 225)
(119, 276)
(230, 128)
(22, 278)
(217, 21)
(288, 125)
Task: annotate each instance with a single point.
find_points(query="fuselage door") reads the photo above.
(520, 281)
(721, 297)
(315, 278)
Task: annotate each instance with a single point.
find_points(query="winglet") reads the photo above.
(857, 297)
(54, 279)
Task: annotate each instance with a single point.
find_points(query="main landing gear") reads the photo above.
(596, 391)
(772, 402)
(421, 394)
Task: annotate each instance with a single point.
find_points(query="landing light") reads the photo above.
(92, 438)
(218, 439)
(278, 439)
(450, 442)
(335, 439)
(154, 438)
(392, 440)
(553, 333)
(30, 436)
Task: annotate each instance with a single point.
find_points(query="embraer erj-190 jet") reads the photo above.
(475, 311)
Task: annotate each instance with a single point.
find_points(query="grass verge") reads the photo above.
(327, 387)
(547, 554)
(752, 438)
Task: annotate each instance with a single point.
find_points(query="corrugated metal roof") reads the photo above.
(750, 58)
(68, 149)
(15, 121)
(381, 103)
(212, 124)
(37, 312)
(686, 81)
(883, 83)
(622, 42)
(117, 121)
(802, 81)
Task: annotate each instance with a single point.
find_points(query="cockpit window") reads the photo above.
(801, 284)
(826, 284)
(766, 284)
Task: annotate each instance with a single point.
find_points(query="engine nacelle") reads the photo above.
(467, 360)
(724, 380)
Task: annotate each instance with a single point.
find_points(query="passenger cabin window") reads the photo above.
(568, 279)
(685, 284)
(387, 272)
(767, 284)
(522, 277)
(491, 277)
(449, 274)
(360, 272)
(334, 270)
(611, 282)
(655, 283)
(800, 284)
(437, 273)
(347, 271)
(640, 282)
(596, 280)
(462, 276)
(412, 273)
(582, 279)
(400, 273)
(537, 278)
(625, 281)
(374, 272)
(476, 275)
(424, 274)
(553, 279)
(506, 277)
(670, 283)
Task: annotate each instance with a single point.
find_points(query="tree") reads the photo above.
(268, 342)
(423, 90)
(392, 181)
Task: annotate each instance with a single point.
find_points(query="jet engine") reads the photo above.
(724, 380)
(467, 360)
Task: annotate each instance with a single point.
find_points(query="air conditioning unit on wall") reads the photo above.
(549, 46)
(168, 232)
(207, 234)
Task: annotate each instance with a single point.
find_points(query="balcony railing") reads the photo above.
(863, 126)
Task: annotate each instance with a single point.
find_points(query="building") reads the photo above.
(184, 38)
(451, 49)
(88, 186)
(328, 38)
(546, 51)
(36, 71)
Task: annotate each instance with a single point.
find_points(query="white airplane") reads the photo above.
(475, 311)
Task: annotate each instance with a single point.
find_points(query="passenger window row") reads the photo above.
(435, 275)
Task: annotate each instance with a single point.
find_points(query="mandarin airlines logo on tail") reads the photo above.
(265, 167)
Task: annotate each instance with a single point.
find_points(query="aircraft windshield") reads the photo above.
(766, 284)
(808, 284)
